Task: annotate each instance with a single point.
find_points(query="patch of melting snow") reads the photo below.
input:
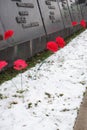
(51, 99)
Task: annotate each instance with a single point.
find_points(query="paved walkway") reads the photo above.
(81, 122)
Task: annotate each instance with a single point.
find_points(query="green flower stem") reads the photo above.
(39, 68)
(21, 82)
(41, 65)
(12, 82)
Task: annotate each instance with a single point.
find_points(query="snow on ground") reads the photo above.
(52, 97)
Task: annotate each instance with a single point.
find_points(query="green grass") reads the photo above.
(10, 72)
(68, 39)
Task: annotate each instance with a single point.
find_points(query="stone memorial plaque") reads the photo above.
(23, 17)
(65, 12)
(80, 15)
(51, 16)
(83, 6)
(73, 10)
(3, 43)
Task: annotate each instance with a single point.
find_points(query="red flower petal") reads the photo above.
(3, 64)
(52, 46)
(20, 64)
(83, 23)
(8, 34)
(60, 41)
(74, 23)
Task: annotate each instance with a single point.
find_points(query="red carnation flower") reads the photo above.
(20, 64)
(8, 34)
(52, 46)
(60, 41)
(83, 23)
(3, 64)
(74, 23)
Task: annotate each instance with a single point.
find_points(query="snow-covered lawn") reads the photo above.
(50, 100)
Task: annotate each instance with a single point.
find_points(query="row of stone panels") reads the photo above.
(35, 22)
